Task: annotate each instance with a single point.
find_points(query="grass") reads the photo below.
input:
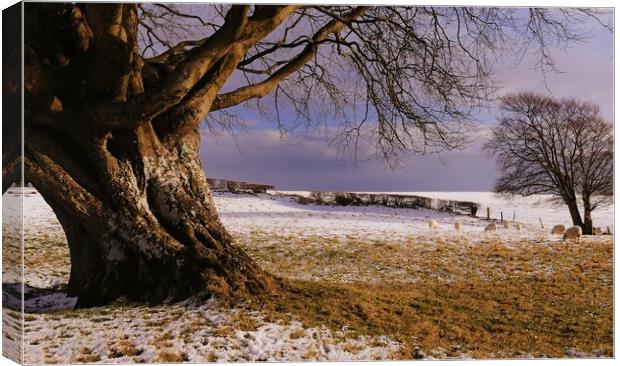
(163, 340)
(296, 334)
(211, 357)
(455, 296)
(124, 347)
(87, 356)
(46, 253)
(488, 299)
(171, 357)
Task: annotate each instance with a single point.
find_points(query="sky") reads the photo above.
(304, 160)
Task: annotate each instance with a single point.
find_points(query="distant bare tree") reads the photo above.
(558, 147)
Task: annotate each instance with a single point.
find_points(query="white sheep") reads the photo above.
(457, 226)
(518, 226)
(490, 228)
(558, 230)
(432, 224)
(597, 231)
(506, 225)
(573, 232)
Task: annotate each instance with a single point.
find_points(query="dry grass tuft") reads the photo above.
(87, 356)
(171, 357)
(124, 348)
(244, 321)
(299, 333)
(211, 357)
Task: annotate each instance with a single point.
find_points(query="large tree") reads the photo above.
(113, 105)
(561, 147)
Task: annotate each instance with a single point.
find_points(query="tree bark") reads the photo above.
(573, 208)
(587, 215)
(140, 220)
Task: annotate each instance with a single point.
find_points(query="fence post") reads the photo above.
(488, 213)
(514, 216)
(541, 224)
(501, 215)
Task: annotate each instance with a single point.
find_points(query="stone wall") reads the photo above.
(225, 185)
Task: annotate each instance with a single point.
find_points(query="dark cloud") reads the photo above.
(298, 163)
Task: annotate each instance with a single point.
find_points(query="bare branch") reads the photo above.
(265, 87)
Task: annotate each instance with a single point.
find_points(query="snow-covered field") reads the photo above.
(525, 209)
(261, 223)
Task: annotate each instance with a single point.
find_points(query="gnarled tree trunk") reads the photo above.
(147, 228)
(118, 165)
(112, 138)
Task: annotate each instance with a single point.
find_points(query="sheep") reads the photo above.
(506, 225)
(457, 226)
(432, 224)
(597, 231)
(490, 228)
(573, 232)
(518, 226)
(558, 230)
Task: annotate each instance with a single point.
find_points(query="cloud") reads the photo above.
(586, 74)
(309, 163)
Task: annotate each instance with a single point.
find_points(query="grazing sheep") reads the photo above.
(518, 226)
(573, 232)
(597, 230)
(457, 226)
(432, 224)
(490, 228)
(558, 230)
(506, 225)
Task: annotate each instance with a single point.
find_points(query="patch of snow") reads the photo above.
(196, 334)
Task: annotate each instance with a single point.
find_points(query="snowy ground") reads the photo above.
(261, 223)
(157, 334)
(525, 209)
(184, 333)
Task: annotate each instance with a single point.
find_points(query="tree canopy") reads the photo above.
(409, 77)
